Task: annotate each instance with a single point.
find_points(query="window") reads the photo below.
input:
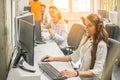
(62, 5)
(109, 5)
(81, 5)
(73, 5)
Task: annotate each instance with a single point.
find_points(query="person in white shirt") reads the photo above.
(58, 29)
(45, 17)
(91, 53)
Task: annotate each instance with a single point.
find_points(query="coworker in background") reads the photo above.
(91, 53)
(58, 30)
(35, 9)
(45, 17)
(53, 10)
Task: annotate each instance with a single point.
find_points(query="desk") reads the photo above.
(49, 48)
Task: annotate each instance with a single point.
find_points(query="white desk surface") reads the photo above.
(50, 48)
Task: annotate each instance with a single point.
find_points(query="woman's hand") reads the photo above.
(43, 38)
(51, 31)
(68, 73)
(47, 58)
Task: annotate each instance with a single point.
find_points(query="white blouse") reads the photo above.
(83, 56)
(61, 33)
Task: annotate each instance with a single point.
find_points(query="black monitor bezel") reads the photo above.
(17, 18)
(26, 49)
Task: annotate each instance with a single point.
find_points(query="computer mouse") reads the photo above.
(44, 60)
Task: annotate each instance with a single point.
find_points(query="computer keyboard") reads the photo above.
(52, 72)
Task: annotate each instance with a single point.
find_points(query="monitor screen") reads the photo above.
(113, 17)
(27, 8)
(26, 40)
(29, 17)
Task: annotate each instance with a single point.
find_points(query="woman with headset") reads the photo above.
(91, 53)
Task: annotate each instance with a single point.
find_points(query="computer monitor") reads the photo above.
(29, 17)
(27, 8)
(113, 17)
(26, 40)
(26, 43)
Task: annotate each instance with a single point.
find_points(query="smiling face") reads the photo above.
(55, 18)
(42, 9)
(53, 10)
(90, 28)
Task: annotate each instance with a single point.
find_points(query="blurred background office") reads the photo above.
(72, 10)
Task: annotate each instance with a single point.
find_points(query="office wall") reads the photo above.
(8, 28)
(21, 4)
(5, 37)
(2, 42)
(118, 8)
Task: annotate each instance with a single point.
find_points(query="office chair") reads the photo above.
(112, 60)
(113, 31)
(118, 38)
(74, 38)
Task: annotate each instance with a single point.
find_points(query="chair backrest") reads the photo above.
(113, 31)
(113, 57)
(118, 38)
(75, 35)
(112, 43)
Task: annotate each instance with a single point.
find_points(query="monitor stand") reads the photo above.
(25, 69)
(18, 62)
